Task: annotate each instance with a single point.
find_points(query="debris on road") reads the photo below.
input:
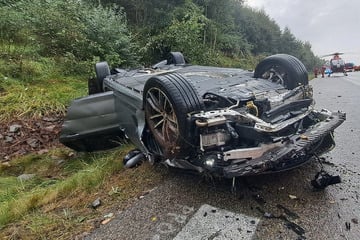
(109, 215)
(259, 199)
(292, 197)
(289, 224)
(324, 161)
(146, 193)
(323, 179)
(106, 221)
(107, 218)
(296, 228)
(268, 215)
(347, 226)
(218, 224)
(287, 211)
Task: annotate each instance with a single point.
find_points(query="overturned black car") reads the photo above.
(224, 121)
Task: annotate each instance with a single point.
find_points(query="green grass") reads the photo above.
(21, 99)
(52, 181)
(33, 86)
(59, 195)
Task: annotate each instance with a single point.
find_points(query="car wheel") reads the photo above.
(167, 101)
(283, 69)
(175, 58)
(95, 85)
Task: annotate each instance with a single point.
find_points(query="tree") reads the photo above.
(184, 33)
(258, 29)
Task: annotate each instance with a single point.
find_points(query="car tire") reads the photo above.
(175, 58)
(167, 101)
(95, 85)
(284, 69)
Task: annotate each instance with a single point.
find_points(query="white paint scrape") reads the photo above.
(215, 224)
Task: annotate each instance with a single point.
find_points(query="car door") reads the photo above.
(92, 124)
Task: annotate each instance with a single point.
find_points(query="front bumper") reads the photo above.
(297, 149)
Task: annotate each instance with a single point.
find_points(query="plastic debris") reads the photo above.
(292, 197)
(347, 226)
(323, 179)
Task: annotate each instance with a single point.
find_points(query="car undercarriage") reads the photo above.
(224, 121)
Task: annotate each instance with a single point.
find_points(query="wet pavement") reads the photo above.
(279, 206)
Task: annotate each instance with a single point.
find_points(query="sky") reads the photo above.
(329, 25)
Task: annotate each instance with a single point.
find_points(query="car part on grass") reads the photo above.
(217, 121)
(133, 158)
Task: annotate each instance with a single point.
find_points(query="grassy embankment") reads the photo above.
(55, 203)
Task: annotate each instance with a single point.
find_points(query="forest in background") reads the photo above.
(66, 37)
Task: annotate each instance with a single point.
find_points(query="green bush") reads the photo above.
(13, 26)
(108, 37)
(71, 32)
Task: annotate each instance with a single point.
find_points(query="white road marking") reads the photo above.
(214, 223)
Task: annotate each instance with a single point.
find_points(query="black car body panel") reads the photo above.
(218, 120)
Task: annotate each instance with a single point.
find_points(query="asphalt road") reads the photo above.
(276, 206)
